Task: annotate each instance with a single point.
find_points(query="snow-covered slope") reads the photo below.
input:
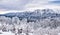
(38, 22)
(35, 14)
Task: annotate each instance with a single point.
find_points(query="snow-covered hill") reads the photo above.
(35, 14)
(38, 22)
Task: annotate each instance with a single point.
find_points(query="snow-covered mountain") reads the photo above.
(38, 22)
(36, 14)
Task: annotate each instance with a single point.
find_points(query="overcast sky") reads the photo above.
(20, 5)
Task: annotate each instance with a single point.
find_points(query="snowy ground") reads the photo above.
(6, 33)
(9, 33)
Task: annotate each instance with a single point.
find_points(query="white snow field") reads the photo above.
(9, 33)
(6, 33)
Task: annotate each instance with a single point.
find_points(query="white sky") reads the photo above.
(7, 6)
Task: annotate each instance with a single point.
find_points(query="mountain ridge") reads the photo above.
(36, 14)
